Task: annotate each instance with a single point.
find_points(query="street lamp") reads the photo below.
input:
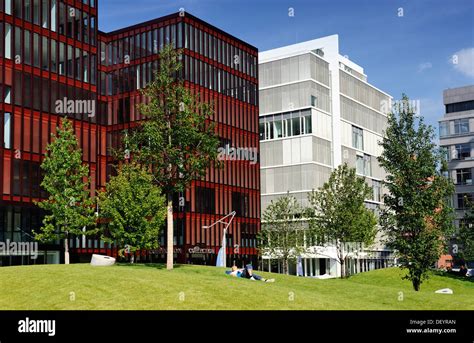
(227, 220)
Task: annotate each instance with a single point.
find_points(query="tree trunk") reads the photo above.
(170, 250)
(416, 283)
(66, 250)
(343, 268)
(285, 266)
(342, 260)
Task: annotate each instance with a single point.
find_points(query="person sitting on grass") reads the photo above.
(247, 273)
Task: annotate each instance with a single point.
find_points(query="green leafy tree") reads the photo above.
(282, 233)
(338, 215)
(465, 236)
(133, 208)
(176, 140)
(417, 219)
(69, 207)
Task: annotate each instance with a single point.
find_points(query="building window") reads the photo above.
(367, 165)
(364, 165)
(377, 190)
(7, 131)
(360, 164)
(240, 204)
(205, 200)
(464, 176)
(277, 126)
(444, 129)
(357, 138)
(460, 106)
(314, 101)
(461, 152)
(307, 124)
(8, 98)
(461, 126)
(296, 127)
(8, 7)
(464, 199)
(8, 41)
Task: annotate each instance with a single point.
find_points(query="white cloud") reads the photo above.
(423, 66)
(463, 61)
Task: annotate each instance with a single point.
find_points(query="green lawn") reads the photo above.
(150, 287)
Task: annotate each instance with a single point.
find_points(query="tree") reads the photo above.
(465, 237)
(417, 218)
(134, 209)
(282, 232)
(338, 214)
(69, 207)
(177, 139)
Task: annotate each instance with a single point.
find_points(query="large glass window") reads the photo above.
(27, 12)
(464, 176)
(7, 131)
(18, 45)
(62, 59)
(364, 165)
(307, 124)
(45, 14)
(54, 58)
(377, 190)
(295, 125)
(360, 164)
(53, 15)
(460, 106)
(8, 41)
(17, 8)
(205, 200)
(277, 125)
(443, 128)
(461, 152)
(36, 12)
(27, 43)
(357, 138)
(464, 199)
(8, 7)
(461, 126)
(36, 50)
(240, 204)
(367, 165)
(8, 97)
(44, 56)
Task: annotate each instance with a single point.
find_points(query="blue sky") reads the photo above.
(411, 54)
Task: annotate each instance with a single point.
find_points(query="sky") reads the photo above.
(417, 47)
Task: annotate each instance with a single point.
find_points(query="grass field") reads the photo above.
(151, 287)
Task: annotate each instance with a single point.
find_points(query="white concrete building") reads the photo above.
(317, 111)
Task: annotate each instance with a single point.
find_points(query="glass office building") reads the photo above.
(53, 51)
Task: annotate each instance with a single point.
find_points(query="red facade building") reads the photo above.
(52, 53)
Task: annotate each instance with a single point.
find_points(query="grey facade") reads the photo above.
(456, 133)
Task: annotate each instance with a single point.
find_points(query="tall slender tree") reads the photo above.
(69, 207)
(176, 139)
(418, 218)
(338, 215)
